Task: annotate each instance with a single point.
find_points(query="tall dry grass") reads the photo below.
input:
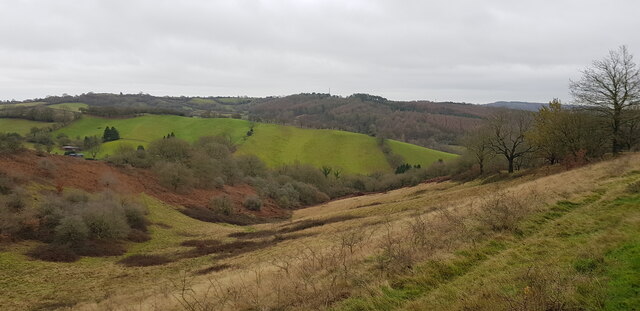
(401, 230)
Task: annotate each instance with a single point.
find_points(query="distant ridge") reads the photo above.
(529, 106)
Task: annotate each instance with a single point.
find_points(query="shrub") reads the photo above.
(307, 174)
(173, 149)
(9, 223)
(135, 215)
(127, 155)
(218, 183)
(10, 142)
(144, 260)
(76, 196)
(175, 176)
(17, 200)
(51, 214)
(230, 170)
(545, 289)
(221, 204)
(287, 196)
(71, 230)
(252, 202)
(205, 170)
(218, 147)
(502, 211)
(251, 165)
(105, 222)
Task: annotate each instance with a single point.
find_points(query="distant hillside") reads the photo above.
(528, 106)
(429, 124)
(274, 144)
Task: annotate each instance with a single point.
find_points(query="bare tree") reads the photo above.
(612, 87)
(508, 135)
(477, 144)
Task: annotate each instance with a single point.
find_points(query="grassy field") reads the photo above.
(277, 145)
(69, 106)
(414, 154)
(19, 126)
(274, 144)
(27, 104)
(142, 130)
(575, 243)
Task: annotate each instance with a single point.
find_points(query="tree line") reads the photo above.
(607, 123)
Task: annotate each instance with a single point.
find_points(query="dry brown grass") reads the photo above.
(377, 238)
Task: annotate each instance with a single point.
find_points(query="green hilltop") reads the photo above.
(274, 144)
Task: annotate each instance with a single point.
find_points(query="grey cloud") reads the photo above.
(473, 51)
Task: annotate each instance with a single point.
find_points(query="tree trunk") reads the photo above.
(615, 144)
(510, 165)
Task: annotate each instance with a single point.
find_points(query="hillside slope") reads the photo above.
(430, 124)
(20, 126)
(274, 144)
(95, 176)
(436, 125)
(568, 238)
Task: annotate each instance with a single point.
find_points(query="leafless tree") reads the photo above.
(508, 135)
(477, 143)
(612, 87)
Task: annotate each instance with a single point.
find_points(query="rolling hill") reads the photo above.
(274, 144)
(436, 125)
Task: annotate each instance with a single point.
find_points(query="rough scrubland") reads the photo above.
(549, 239)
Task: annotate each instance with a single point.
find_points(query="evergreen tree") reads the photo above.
(110, 134)
(106, 136)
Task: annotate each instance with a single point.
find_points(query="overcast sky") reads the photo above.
(467, 51)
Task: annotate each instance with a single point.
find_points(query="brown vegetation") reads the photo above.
(92, 176)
